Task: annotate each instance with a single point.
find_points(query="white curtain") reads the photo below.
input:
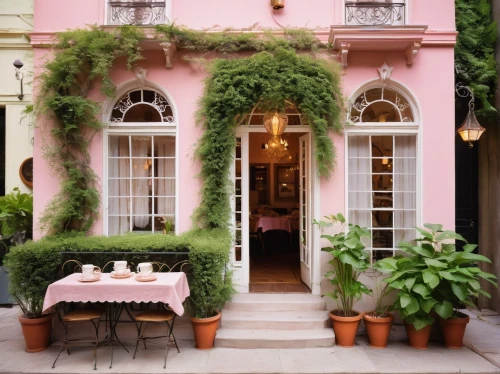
(166, 176)
(360, 184)
(405, 183)
(118, 189)
(140, 181)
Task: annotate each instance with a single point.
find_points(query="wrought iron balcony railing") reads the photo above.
(374, 13)
(139, 13)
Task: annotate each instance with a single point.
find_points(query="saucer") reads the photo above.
(147, 278)
(127, 274)
(95, 279)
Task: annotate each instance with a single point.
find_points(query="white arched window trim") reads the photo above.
(386, 129)
(137, 129)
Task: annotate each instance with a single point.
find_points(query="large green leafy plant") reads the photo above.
(349, 260)
(433, 276)
(16, 219)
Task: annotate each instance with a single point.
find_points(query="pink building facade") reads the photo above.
(395, 161)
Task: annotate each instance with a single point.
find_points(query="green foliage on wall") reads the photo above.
(475, 51)
(230, 41)
(235, 86)
(80, 58)
(269, 78)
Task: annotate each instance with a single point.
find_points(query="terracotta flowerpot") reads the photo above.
(345, 328)
(205, 330)
(378, 329)
(36, 332)
(453, 330)
(418, 339)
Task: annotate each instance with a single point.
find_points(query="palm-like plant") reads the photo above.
(349, 260)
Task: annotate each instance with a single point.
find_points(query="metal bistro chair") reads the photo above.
(92, 315)
(160, 316)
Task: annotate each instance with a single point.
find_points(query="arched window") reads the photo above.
(141, 164)
(142, 106)
(382, 164)
(380, 104)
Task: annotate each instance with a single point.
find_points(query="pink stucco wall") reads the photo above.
(430, 79)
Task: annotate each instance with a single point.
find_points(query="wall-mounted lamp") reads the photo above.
(19, 75)
(278, 4)
(471, 130)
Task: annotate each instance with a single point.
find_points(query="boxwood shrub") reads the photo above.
(35, 265)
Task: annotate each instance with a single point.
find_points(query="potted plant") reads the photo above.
(210, 287)
(378, 322)
(29, 281)
(459, 280)
(349, 260)
(16, 226)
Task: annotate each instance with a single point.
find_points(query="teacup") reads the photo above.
(145, 269)
(90, 271)
(120, 267)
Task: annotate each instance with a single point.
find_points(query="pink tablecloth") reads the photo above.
(171, 288)
(273, 223)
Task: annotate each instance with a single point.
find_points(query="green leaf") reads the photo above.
(422, 290)
(423, 251)
(430, 278)
(422, 321)
(434, 263)
(413, 306)
(388, 263)
(459, 290)
(444, 310)
(433, 227)
(468, 248)
(448, 234)
(427, 304)
(426, 234)
(409, 282)
(474, 284)
(447, 275)
(404, 300)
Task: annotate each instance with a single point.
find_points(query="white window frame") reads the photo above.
(387, 129)
(168, 13)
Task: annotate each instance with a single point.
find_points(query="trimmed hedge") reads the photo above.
(35, 265)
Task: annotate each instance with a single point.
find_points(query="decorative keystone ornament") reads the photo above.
(278, 4)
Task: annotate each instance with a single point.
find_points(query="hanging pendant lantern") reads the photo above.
(276, 123)
(471, 130)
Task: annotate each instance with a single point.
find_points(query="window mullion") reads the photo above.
(131, 205)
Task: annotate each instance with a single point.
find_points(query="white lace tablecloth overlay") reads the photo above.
(169, 288)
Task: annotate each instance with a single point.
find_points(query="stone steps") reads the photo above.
(257, 338)
(287, 320)
(276, 321)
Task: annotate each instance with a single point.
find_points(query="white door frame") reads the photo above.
(241, 270)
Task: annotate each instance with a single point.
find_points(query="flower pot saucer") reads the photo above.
(127, 274)
(95, 279)
(145, 278)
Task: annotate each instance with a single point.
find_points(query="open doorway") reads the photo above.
(277, 207)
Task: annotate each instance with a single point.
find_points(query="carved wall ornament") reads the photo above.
(140, 74)
(385, 72)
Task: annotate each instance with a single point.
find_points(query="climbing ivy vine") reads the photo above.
(80, 58)
(475, 51)
(235, 86)
(274, 74)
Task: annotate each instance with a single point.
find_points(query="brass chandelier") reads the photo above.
(275, 124)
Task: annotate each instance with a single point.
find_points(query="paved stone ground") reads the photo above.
(483, 336)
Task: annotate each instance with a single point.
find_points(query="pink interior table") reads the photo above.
(273, 223)
(168, 288)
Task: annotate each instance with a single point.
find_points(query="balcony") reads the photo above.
(375, 13)
(138, 13)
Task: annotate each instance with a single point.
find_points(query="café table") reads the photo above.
(273, 223)
(168, 288)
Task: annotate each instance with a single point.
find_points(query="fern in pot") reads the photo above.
(349, 260)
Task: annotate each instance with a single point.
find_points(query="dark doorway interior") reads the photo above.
(2, 151)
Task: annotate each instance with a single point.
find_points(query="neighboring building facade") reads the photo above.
(16, 132)
(395, 165)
